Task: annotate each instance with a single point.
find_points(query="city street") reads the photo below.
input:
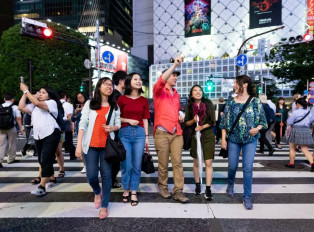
(283, 200)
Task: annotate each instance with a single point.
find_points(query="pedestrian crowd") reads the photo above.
(122, 113)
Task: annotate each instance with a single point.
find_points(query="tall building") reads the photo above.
(6, 15)
(115, 17)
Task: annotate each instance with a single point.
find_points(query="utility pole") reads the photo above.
(98, 47)
(239, 51)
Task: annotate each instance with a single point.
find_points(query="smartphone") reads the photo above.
(22, 79)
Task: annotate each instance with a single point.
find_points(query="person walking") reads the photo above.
(118, 79)
(244, 135)
(133, 134)
(10, 116)
(221, 107)
(300, 121)
(92, 138)
(79, 103)
(271, 118)
(281, 120)
(199, 106)
(46, 131)
(168, 132)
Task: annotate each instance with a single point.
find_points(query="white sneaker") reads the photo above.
(83, 170)
(50, 184)
(38, 191)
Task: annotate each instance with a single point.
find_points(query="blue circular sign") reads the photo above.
(107, 57)
(241, 60)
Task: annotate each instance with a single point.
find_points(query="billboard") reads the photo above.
(197, 17)
(112, 60)
(265, 13)
(310, 16)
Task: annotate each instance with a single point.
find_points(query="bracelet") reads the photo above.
(25, 91)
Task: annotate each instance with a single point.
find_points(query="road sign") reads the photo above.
(311, 85)
(108, 57)
(311, 100)
(312, 92)
(241, 60)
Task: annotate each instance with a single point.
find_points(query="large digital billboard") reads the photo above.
(265, 13)
(197, 17)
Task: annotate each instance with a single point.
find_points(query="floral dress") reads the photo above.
(253, 116)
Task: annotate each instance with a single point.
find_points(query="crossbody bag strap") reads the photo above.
(302, 118)
(109, 116)
(239, 115)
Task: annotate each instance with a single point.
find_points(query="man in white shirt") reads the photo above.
(8, 136)
(68, 111)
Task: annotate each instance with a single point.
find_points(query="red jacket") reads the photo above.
(166, 107)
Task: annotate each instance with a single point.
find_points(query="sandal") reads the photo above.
(36, 180)
(126, 199)
(61, 174)
(134, 202)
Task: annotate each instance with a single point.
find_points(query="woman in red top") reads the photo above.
(133, 134)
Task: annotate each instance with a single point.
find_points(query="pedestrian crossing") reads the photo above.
(278, 192)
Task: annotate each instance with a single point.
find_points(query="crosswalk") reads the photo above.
(278, 192)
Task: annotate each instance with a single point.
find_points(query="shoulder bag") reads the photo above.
(224, 152)
(115, 151)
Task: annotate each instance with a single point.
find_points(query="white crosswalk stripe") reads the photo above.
(275, 188)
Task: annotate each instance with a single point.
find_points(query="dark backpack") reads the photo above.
(59, 119)
(269, 114)
(6, 117)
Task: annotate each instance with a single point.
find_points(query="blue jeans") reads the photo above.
(248, 153)
(94, 158)
(133, 139)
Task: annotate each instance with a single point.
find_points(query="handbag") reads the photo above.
(187, 136)
(115, 151)
(224, 152)
(147, 162)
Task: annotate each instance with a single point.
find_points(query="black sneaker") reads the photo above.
(312, 167)
(116, 184)
(198, 188)
(290, 166)
(1, 166)
(208, 194)
(271, 152)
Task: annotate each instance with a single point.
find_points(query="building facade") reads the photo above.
(230, 23)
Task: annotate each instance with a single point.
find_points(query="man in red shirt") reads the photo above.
(168, 132)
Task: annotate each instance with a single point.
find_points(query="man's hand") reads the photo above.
(179, 59)
(180, 119)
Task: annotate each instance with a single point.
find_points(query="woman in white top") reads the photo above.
(44, 111)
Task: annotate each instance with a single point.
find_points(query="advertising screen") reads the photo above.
(265, 13)
(197, 17)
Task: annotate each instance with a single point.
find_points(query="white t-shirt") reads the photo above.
(16, 112)
(68, 109)
(43, 122)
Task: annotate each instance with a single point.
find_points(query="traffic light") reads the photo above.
(305, 38)
(210, 86)
(259, 90)
(35, 29)
(82, 87)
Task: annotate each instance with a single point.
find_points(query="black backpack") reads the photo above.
(6, 117)
(59, 119)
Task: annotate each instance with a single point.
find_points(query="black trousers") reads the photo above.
(68, 144)
(46, 151)
(114, 171)
(263, 140)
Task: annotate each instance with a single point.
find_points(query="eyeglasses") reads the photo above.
(107, 84)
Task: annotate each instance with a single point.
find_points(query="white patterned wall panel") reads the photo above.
(227, 18)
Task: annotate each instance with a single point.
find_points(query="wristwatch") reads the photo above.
(25, 91)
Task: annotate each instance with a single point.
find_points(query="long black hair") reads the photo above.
(95, 103)
(75, 102)
(191, 99)
(127, 84)
(53, 95)
(284, 104)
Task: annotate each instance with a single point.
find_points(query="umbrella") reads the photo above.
(281, 125)
(199, 152)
